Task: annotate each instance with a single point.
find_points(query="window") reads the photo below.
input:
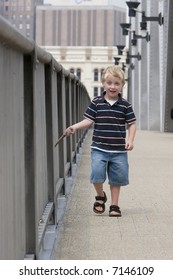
(72, 70)
(96, 75)
(78, 73)
(101, 72)
(95, 91)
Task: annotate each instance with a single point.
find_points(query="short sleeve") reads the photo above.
(130, 115)
(91, 111)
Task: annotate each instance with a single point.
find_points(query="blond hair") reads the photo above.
(115, 71)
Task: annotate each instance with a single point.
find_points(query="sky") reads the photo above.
(120, 3)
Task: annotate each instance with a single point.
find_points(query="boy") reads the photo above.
(110, 113)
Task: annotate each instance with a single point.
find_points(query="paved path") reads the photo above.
(145, 230)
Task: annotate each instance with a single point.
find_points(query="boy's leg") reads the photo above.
(115, 192)
(98, 176)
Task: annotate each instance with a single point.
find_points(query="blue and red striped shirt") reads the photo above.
(110, 123)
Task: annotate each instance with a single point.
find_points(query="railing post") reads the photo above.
(68, 120)
(30, 209)
(61, 99)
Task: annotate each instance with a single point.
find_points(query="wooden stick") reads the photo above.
(62, 136)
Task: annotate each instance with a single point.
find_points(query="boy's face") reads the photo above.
(113, 86)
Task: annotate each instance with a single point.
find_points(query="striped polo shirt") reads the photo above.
(110, 123)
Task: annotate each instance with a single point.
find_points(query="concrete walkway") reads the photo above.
(145, 230)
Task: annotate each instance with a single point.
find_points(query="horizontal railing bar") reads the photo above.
(10, 36)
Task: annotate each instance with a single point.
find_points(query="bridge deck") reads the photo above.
(145, 230)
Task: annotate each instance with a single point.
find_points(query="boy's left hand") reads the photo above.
(129, 145)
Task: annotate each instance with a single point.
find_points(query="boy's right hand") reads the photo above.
(69, 130)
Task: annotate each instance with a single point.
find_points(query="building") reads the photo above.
(87, 63)
(79, 25)
(21, 14)
(82, 36)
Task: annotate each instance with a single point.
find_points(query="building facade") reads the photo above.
(21, 14)
(79, 26)
(88, 64)
(82, 36)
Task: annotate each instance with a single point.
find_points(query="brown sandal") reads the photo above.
(115, 208)
(98, 204)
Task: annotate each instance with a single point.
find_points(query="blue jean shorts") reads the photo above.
(112, 165)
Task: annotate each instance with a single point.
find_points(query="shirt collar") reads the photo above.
(118, 101)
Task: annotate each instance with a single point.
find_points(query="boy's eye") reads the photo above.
(115, 84)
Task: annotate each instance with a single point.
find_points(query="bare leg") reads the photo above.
(115, 192)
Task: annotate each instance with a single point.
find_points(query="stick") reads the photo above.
(62, 136)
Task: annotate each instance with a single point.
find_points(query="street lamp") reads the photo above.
(132, 8)
(125, 27)
(116, 60)
(120, 49)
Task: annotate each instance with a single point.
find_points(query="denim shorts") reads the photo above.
(112, 165)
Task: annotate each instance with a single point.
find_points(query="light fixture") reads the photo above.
(131, 65)
(132, 8)
(143, 25)
(160, 19)
(116, 58)
(138, 56)
(132, 13)
(123, 66)
(136, 36)
(120, 49)
(125, 27)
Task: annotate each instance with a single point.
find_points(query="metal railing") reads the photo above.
(38, 100)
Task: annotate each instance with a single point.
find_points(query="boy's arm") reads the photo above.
(131, 135)
(83, 124)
